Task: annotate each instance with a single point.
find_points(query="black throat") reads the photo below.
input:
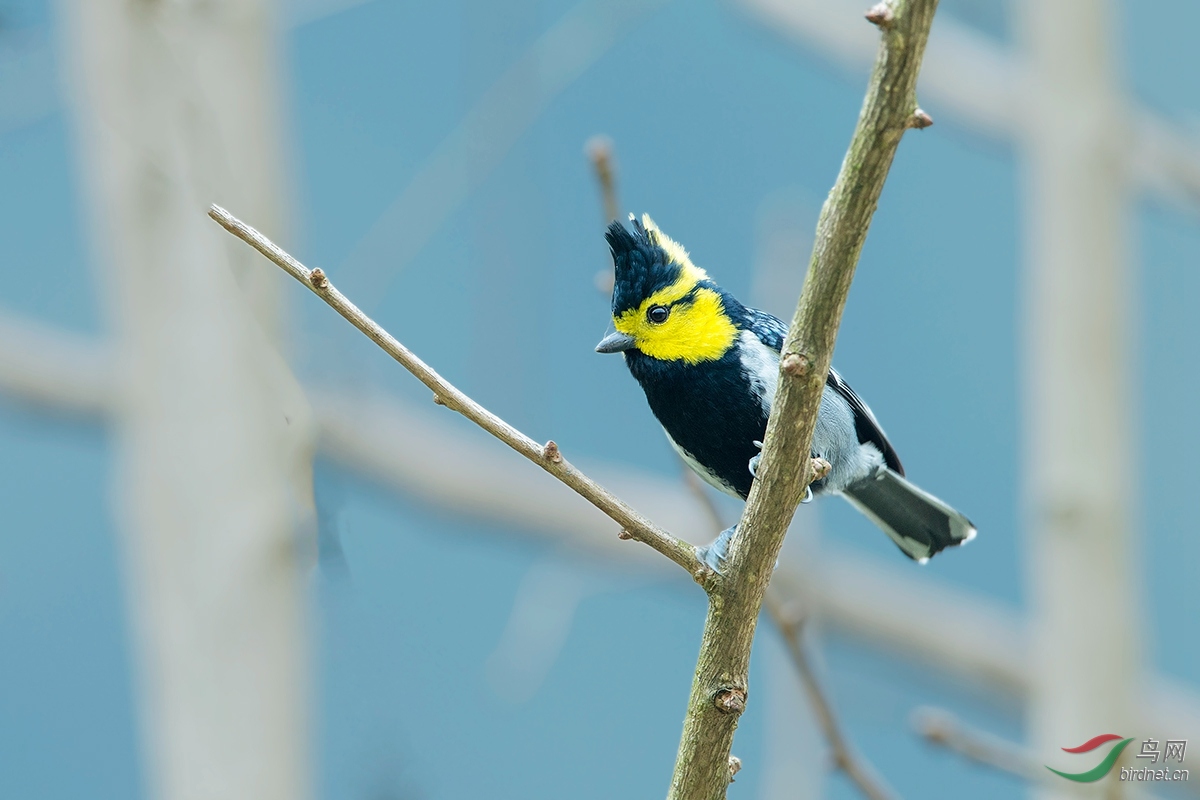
(709, 409)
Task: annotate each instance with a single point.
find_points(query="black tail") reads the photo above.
(919, 523)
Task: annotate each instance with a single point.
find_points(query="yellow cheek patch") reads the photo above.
(695, 331)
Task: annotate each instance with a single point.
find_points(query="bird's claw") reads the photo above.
(808, 494)
(715, 553)
(754, 461)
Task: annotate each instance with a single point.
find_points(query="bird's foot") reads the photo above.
(715, 553)
(808, 494)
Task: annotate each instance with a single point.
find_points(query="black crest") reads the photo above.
(642, 264)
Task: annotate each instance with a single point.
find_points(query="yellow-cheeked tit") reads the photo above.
(709, 366)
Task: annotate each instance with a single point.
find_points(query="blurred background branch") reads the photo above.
(214, 437)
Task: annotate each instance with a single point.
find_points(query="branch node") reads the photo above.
(551, 453)
(820, 469)
(437, 399)
(934, 725)
(730, 700)
(795, 364)
(735, 766)
(317, 279)
(881, 15)
(919, 120)
(624, 534)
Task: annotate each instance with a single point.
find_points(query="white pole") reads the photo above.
(174, 104)
(1080, 483)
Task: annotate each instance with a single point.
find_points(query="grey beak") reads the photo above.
(615, 343)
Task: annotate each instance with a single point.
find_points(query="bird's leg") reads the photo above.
(715, 553)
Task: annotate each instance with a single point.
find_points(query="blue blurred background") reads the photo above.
(729, 133)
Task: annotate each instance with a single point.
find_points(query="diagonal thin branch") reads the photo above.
(943, 729)
(856, 768)
(548, 457)
(720, 686)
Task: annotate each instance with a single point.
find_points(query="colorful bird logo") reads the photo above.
(1104, 767)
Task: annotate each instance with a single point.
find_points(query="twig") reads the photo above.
(599, 151)
(547, 456)
(941, 728)
(722, 668)
(856, 769)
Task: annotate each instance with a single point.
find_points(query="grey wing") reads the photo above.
(865, 425)
(771, 331)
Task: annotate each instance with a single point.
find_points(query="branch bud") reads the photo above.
(919, 119)
(881, 15)
(551, 453)
(795, 365)
(730, 700)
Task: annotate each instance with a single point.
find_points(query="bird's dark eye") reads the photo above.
(658, 314)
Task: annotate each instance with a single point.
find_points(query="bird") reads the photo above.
(709, 367)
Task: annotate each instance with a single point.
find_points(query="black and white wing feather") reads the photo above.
(771, 331)
(865, 424)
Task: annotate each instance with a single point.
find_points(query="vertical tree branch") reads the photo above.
(599, 151)
(720, 686)
(856, 769)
